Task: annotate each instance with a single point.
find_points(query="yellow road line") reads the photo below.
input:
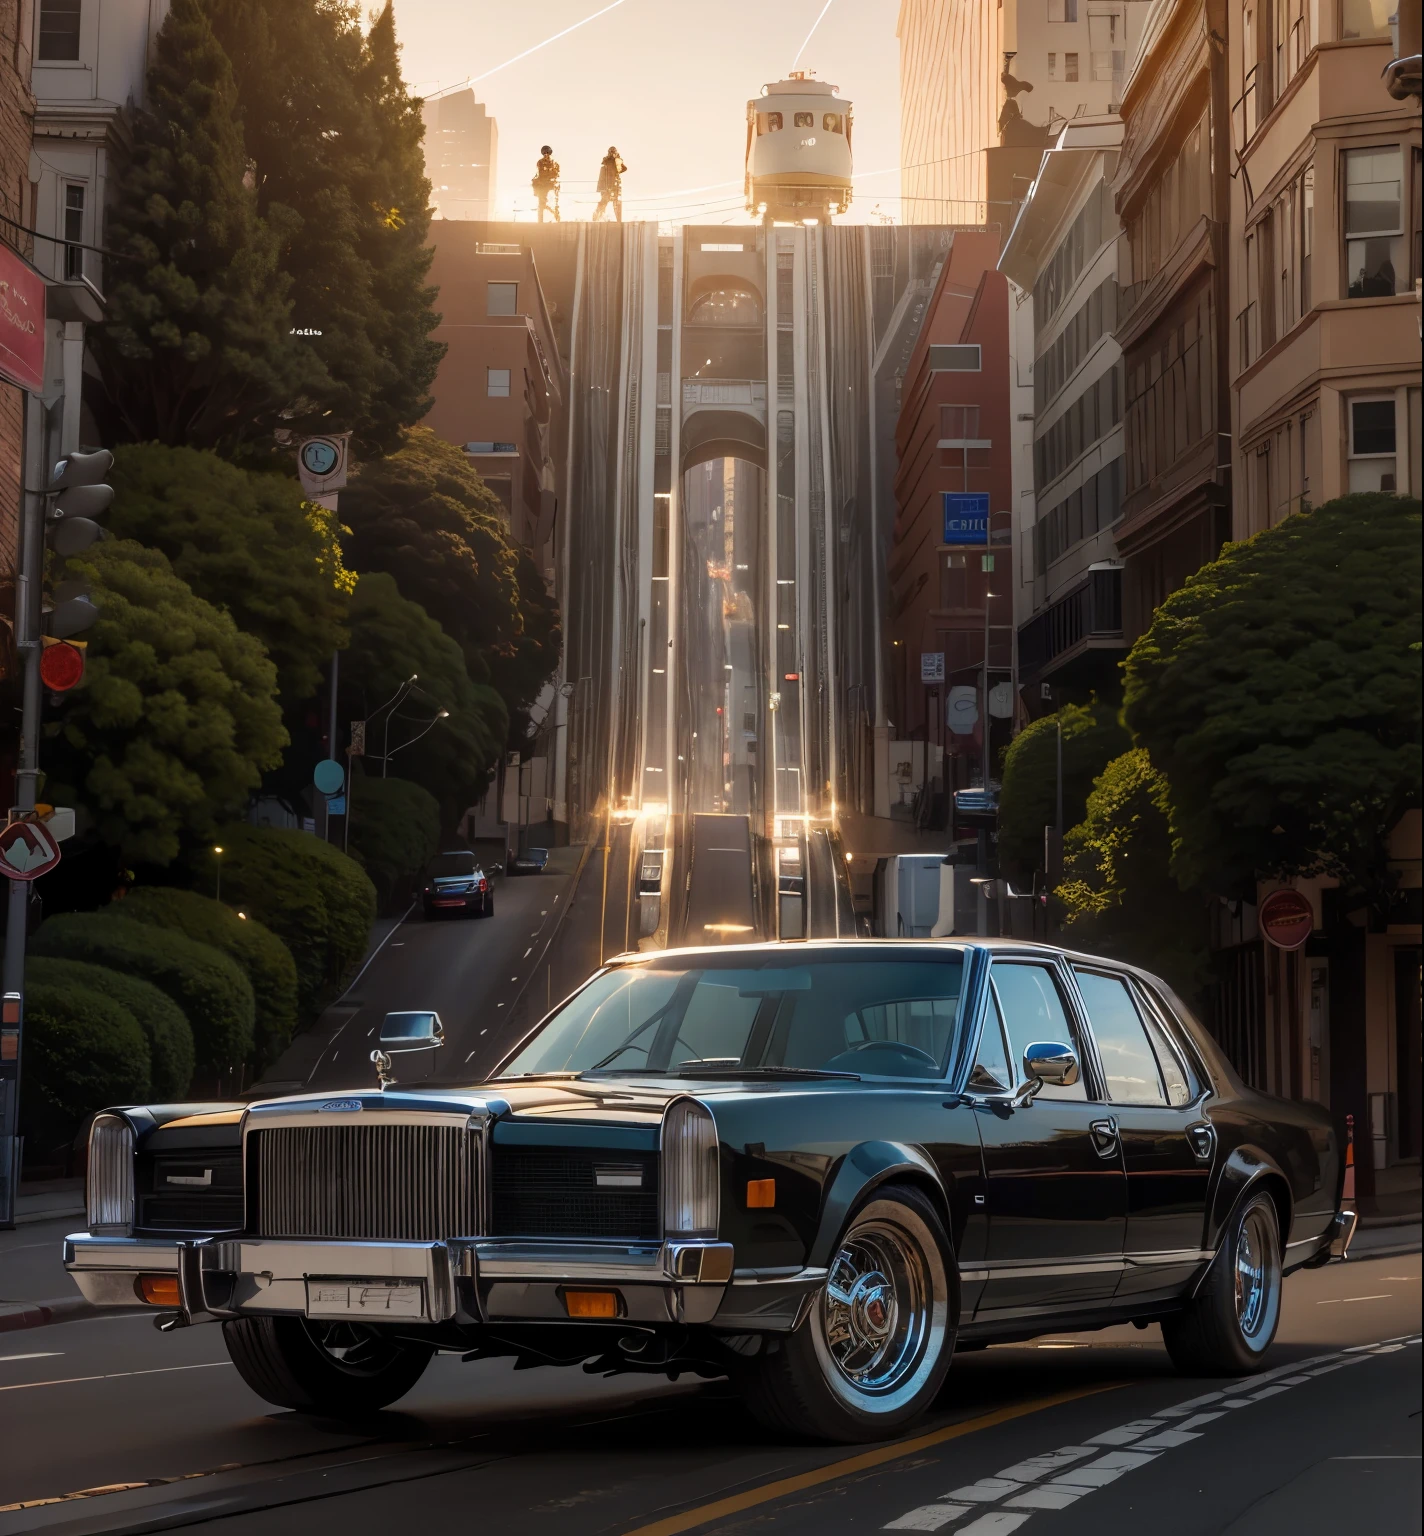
(735, 1503)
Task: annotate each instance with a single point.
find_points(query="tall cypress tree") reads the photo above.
(197, 346)
(334, 142)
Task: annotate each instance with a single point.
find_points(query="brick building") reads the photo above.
(17, 206)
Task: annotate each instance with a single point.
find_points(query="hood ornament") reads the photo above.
(401, 1032)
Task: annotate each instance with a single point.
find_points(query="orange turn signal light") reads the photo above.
(158, 1290)
(591, 1303)
(761, 1194)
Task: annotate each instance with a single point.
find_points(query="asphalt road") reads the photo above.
(719, 906)
(109, 1426)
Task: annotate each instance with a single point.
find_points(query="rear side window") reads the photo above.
(1033, 1012)
(1178, 1072)
(1129, 1062)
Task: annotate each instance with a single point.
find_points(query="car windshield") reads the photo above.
(446, 864)
(888, 1016)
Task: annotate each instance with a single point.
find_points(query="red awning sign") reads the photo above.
(1286, 919)
(22, 322)
(27, 851)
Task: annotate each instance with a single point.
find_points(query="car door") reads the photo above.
(1167, 1145)
(1057, 1193)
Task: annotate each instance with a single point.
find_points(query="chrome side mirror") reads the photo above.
(418, 1030)
(1052, 1063)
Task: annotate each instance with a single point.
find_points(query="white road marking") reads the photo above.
(1336, 1301)
(69, 1381)
(467, 1058)
(526, 954)
(43, 1354)
(1023, 1494)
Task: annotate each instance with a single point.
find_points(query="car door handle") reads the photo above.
(1202, 1139)
(1104, 1134)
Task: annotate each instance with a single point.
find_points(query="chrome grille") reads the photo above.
(398, 1183)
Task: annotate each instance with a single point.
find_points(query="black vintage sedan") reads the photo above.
(457, 882)
(817, 1170)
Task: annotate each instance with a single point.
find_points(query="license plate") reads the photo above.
(374, 1299)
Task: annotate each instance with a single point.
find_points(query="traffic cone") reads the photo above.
(1348, 1193)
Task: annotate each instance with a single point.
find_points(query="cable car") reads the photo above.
(798, 151)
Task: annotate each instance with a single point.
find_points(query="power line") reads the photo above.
(811, 33)
(554, 39)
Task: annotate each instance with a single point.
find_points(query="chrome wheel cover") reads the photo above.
(881, 1322)
(1257, 1277)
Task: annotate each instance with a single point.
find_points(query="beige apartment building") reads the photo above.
(975, 76)
(1325, 259)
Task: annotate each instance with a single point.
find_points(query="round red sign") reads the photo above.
(1286, 919)
(61, 667)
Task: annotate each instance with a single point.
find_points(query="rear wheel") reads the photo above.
(872, 1354)
(1230, 1323)
(339, 1370)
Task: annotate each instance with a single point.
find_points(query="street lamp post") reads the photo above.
(217, 854)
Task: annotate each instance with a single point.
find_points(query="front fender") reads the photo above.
(863, 1169)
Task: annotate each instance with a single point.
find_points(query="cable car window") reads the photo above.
(805, 119)
(770, 121)
(831, 122)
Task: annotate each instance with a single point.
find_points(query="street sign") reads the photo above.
(336, 806)
(27, 851)
(321, 463)
(22, 322)
(931, 666)
(966, 517)
(1286, 919)
(328, 776)
(358, 739)
(961, 710)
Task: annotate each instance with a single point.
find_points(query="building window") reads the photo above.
(73, 231)
(501, 298)
(1372, 445)
(1052, 66)
(59, 30)
(1063, 10)
(1307, 235)
(1070, 66)
(957, 358)
(497, 383)
(1365, 18)
(1375, 259)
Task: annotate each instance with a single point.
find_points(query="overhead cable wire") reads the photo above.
(811, 33)
(554, 39)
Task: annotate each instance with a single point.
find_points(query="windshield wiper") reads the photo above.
(691, 1069)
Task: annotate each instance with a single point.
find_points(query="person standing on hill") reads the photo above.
(546, 183)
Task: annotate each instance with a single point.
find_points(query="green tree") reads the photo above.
(317, 899)
(242, 541)
(1118, 894)
(178, 716)
(393, 639)
(1279, 692)
(423, 515)
(334, 143)
(196, 347)
(1028, 801)
(265, 960)
(164, 1024)
(395, 831)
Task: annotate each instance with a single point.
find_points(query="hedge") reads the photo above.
(395, 832)
(83, 1051)
(164, 1024)
(320, 901)
(264, 958)
(210, 989)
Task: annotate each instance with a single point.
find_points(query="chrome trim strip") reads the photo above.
(743, 1279)
(1030, 1270)
(1170, 1256)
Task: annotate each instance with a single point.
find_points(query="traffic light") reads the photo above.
(76, 496)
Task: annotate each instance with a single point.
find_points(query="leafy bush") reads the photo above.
(164, 1024)
(1028, 802)
(83, 1050)
(264, 958)
(319, 900)
(395, 831)
(178, 716)
(1118, 893)
(210, 989)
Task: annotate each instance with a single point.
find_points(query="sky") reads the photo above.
(667, 81)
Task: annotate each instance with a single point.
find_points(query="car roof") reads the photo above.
(951, 942)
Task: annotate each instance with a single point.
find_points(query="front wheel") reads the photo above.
(872, 1354)
(338, 1370)
(1230, 1323)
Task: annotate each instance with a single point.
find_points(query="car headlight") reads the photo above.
(689, 1170)
(109, 1186)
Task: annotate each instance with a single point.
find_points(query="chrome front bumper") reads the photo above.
(463, 1281)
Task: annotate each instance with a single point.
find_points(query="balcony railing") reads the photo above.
(1091, 611)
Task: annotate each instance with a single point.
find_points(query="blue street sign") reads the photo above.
(966, 517)
(336, 806)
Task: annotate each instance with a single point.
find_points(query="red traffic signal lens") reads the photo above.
(61, 667)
